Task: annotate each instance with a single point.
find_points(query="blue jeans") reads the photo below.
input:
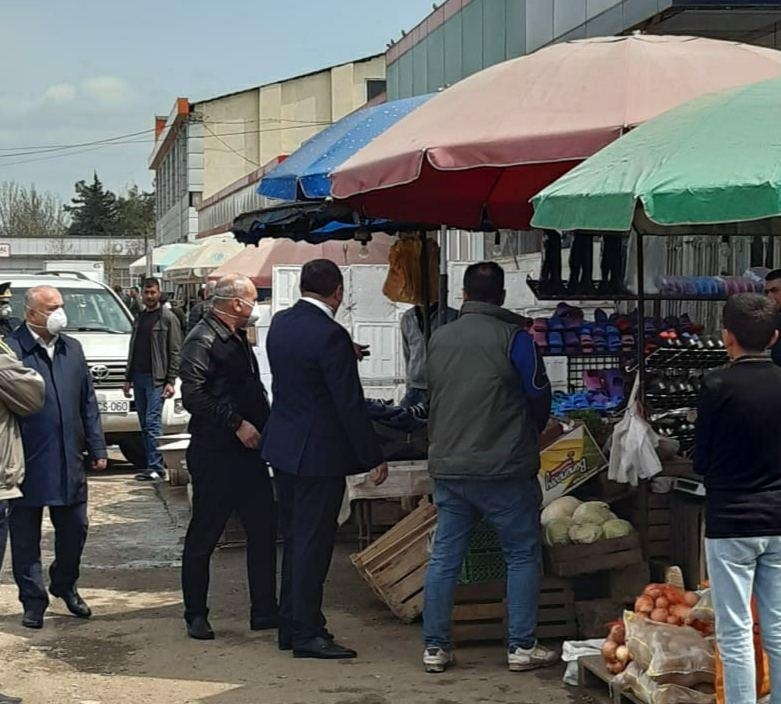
(149, 406)
(737, 566)
(512, 507)
(5, 510)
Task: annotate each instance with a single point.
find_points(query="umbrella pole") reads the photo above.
(443, 282)
(640, 318)
(424, 288)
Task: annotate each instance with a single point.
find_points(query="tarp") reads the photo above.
(201, 261)
(304, 174)
(162, 257)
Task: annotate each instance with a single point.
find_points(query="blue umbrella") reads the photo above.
(304, 174)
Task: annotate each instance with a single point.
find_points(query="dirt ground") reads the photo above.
(134, 649)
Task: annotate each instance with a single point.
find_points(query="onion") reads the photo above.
(609, 648)
(690, 598)
(673, 620)
(662, 602)
(653, 590)
(659, 615)
(615, 667)
(644, 604)
(622, 654)
(617, 634)
(681, 611)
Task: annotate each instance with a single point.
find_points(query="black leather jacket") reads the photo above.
(221, 384)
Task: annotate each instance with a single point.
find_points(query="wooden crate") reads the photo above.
(480, 611)
(569, 560)
(651, 515)
(394, 565)
(597, 681)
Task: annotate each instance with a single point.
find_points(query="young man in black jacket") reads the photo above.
(221, 388)
(739, 452)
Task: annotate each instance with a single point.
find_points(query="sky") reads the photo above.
(77, 72)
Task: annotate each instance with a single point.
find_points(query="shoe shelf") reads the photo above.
(563, 293)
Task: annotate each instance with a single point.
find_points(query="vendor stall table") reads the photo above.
(405, 480)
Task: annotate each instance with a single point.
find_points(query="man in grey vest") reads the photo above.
(490, 398)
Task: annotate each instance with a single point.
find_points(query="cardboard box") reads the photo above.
(568, 462)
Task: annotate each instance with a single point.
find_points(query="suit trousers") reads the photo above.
(70, 533)
(309, 509)
(224, 481)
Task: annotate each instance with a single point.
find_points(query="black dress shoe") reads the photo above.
(263, 623)
(76, 605)
(323, 649)
(32, 618)
(200, 629)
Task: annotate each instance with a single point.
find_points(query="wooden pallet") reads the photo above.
(594, 677)
(394, 566)
(569, 560)
(480, 612)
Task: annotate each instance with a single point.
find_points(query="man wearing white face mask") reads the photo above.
(55, 441)
(221, 388)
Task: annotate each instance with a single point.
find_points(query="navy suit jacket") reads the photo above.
(319, 425)
(56, 436)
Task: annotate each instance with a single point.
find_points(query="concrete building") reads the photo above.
(28, 255)
(462, 37)
(210, 149)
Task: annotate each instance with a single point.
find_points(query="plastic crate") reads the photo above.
(482, 567)
(484, 539)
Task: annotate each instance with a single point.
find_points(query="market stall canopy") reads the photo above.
(201, 261)
(474, 155)
(258, 262)
(162, 257)
(311, 221)
(716, 159)
(304, 174)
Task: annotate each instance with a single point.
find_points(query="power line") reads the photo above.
(58, 147)
(239, 154)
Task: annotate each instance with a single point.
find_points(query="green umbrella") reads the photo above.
(716, 159)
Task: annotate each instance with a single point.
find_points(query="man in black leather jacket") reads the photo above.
(222, 390)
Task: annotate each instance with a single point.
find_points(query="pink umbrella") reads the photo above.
(475, 154)
(258, 262)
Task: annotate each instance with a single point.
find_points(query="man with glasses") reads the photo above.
(773, 291)
(221, 388)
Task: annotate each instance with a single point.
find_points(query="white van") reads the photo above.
(99, 320)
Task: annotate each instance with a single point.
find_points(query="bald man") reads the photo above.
(221, 388)
(58, 440)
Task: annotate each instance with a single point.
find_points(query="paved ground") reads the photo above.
(134, 649)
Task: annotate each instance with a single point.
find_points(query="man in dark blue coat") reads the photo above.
(318, 432)
(55, 439)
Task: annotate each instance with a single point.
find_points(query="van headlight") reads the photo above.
(178, 406)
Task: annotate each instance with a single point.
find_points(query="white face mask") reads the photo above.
(254, 316)
(57, 321)
(5, 310)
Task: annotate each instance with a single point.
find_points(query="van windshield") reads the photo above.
(88, 310)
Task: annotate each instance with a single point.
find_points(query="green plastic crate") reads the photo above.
(484, 561)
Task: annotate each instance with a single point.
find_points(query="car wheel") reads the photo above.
(134, 450)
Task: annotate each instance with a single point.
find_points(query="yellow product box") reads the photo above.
(569, 461)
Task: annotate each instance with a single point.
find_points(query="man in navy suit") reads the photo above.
(318, 432)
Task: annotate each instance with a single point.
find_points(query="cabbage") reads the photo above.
(557, 531)
(616, 528)
(563, 507)
(594, 512)
(585, 533)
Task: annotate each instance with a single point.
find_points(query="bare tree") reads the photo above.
(28, 212)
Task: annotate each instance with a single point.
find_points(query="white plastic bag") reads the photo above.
(633, 453)
(572, 651)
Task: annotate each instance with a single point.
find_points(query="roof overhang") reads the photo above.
(165, 138)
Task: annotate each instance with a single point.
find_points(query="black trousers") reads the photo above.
(224, 482)
(309, 509)
(70, 533)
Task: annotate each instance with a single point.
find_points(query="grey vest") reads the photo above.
(479, 426)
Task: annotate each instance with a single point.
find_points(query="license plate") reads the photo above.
(114, 406)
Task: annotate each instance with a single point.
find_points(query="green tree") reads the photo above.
(27, 212)
(136, 213)
(93, 210)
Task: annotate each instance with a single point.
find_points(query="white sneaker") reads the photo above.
(435, 659)
(521, 659)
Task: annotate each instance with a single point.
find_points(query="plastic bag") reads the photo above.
(633, 453)
(404, 281)
(572, 651)
(670, 654)
(633, 679)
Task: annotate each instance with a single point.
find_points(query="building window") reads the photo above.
(375, 87)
